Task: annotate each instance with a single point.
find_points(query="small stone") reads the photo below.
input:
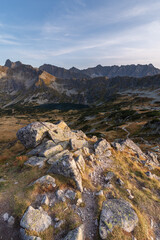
(130, 194)
(149, 174)
(109, 176)
(79, 201)
(60, 195)
(2, 180)
(16, 183)
(11, 220)
(100, 193)
(56, 219)
(96, 222)
(133, 238)
(70, 194)
(59, 224)
(6, 217)
(119, 181)
(152, 223)
(45, 200)
(108, 185)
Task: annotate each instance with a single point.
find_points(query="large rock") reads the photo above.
(67, 167)
(45, 180)
(78, 144)
(35, 220)
(120, 145)
(57, 156)
(116, 212)
(102, 147)
(76, 234)
(32, 134)
(36, 161)
(46, 149)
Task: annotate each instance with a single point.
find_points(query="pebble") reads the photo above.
(59, 224)
(6, 217)
(11, 220)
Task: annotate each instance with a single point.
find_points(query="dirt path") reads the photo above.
(89, 212)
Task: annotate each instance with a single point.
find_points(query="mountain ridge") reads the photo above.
(25, 85)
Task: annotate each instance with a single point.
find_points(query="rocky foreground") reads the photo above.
(82, 160)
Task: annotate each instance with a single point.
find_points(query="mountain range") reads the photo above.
(25, 85)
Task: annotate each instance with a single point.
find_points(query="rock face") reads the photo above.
(67, 167)
(116, 212)
(76, 234)
(35, 220)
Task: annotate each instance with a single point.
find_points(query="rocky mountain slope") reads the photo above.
(87, 188)
(25, 85)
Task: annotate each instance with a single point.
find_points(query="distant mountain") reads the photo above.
(25, 85)
(124, 70)
(62, 72)
(100, 71)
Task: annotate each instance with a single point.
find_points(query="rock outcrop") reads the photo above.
(71, 154)
(116, 212)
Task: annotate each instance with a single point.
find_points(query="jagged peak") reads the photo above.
(11, 64)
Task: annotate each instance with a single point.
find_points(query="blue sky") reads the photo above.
(80, 33)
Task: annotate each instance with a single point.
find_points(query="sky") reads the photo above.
(80, 33)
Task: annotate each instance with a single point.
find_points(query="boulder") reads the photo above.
(76, 234)
(116, 212)
(35, 220)
(46, 180)
(46, 149)
(101, 147)
(67, 167)
(32, 135)
(120, 145)
(36, 161)
(77, 144)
